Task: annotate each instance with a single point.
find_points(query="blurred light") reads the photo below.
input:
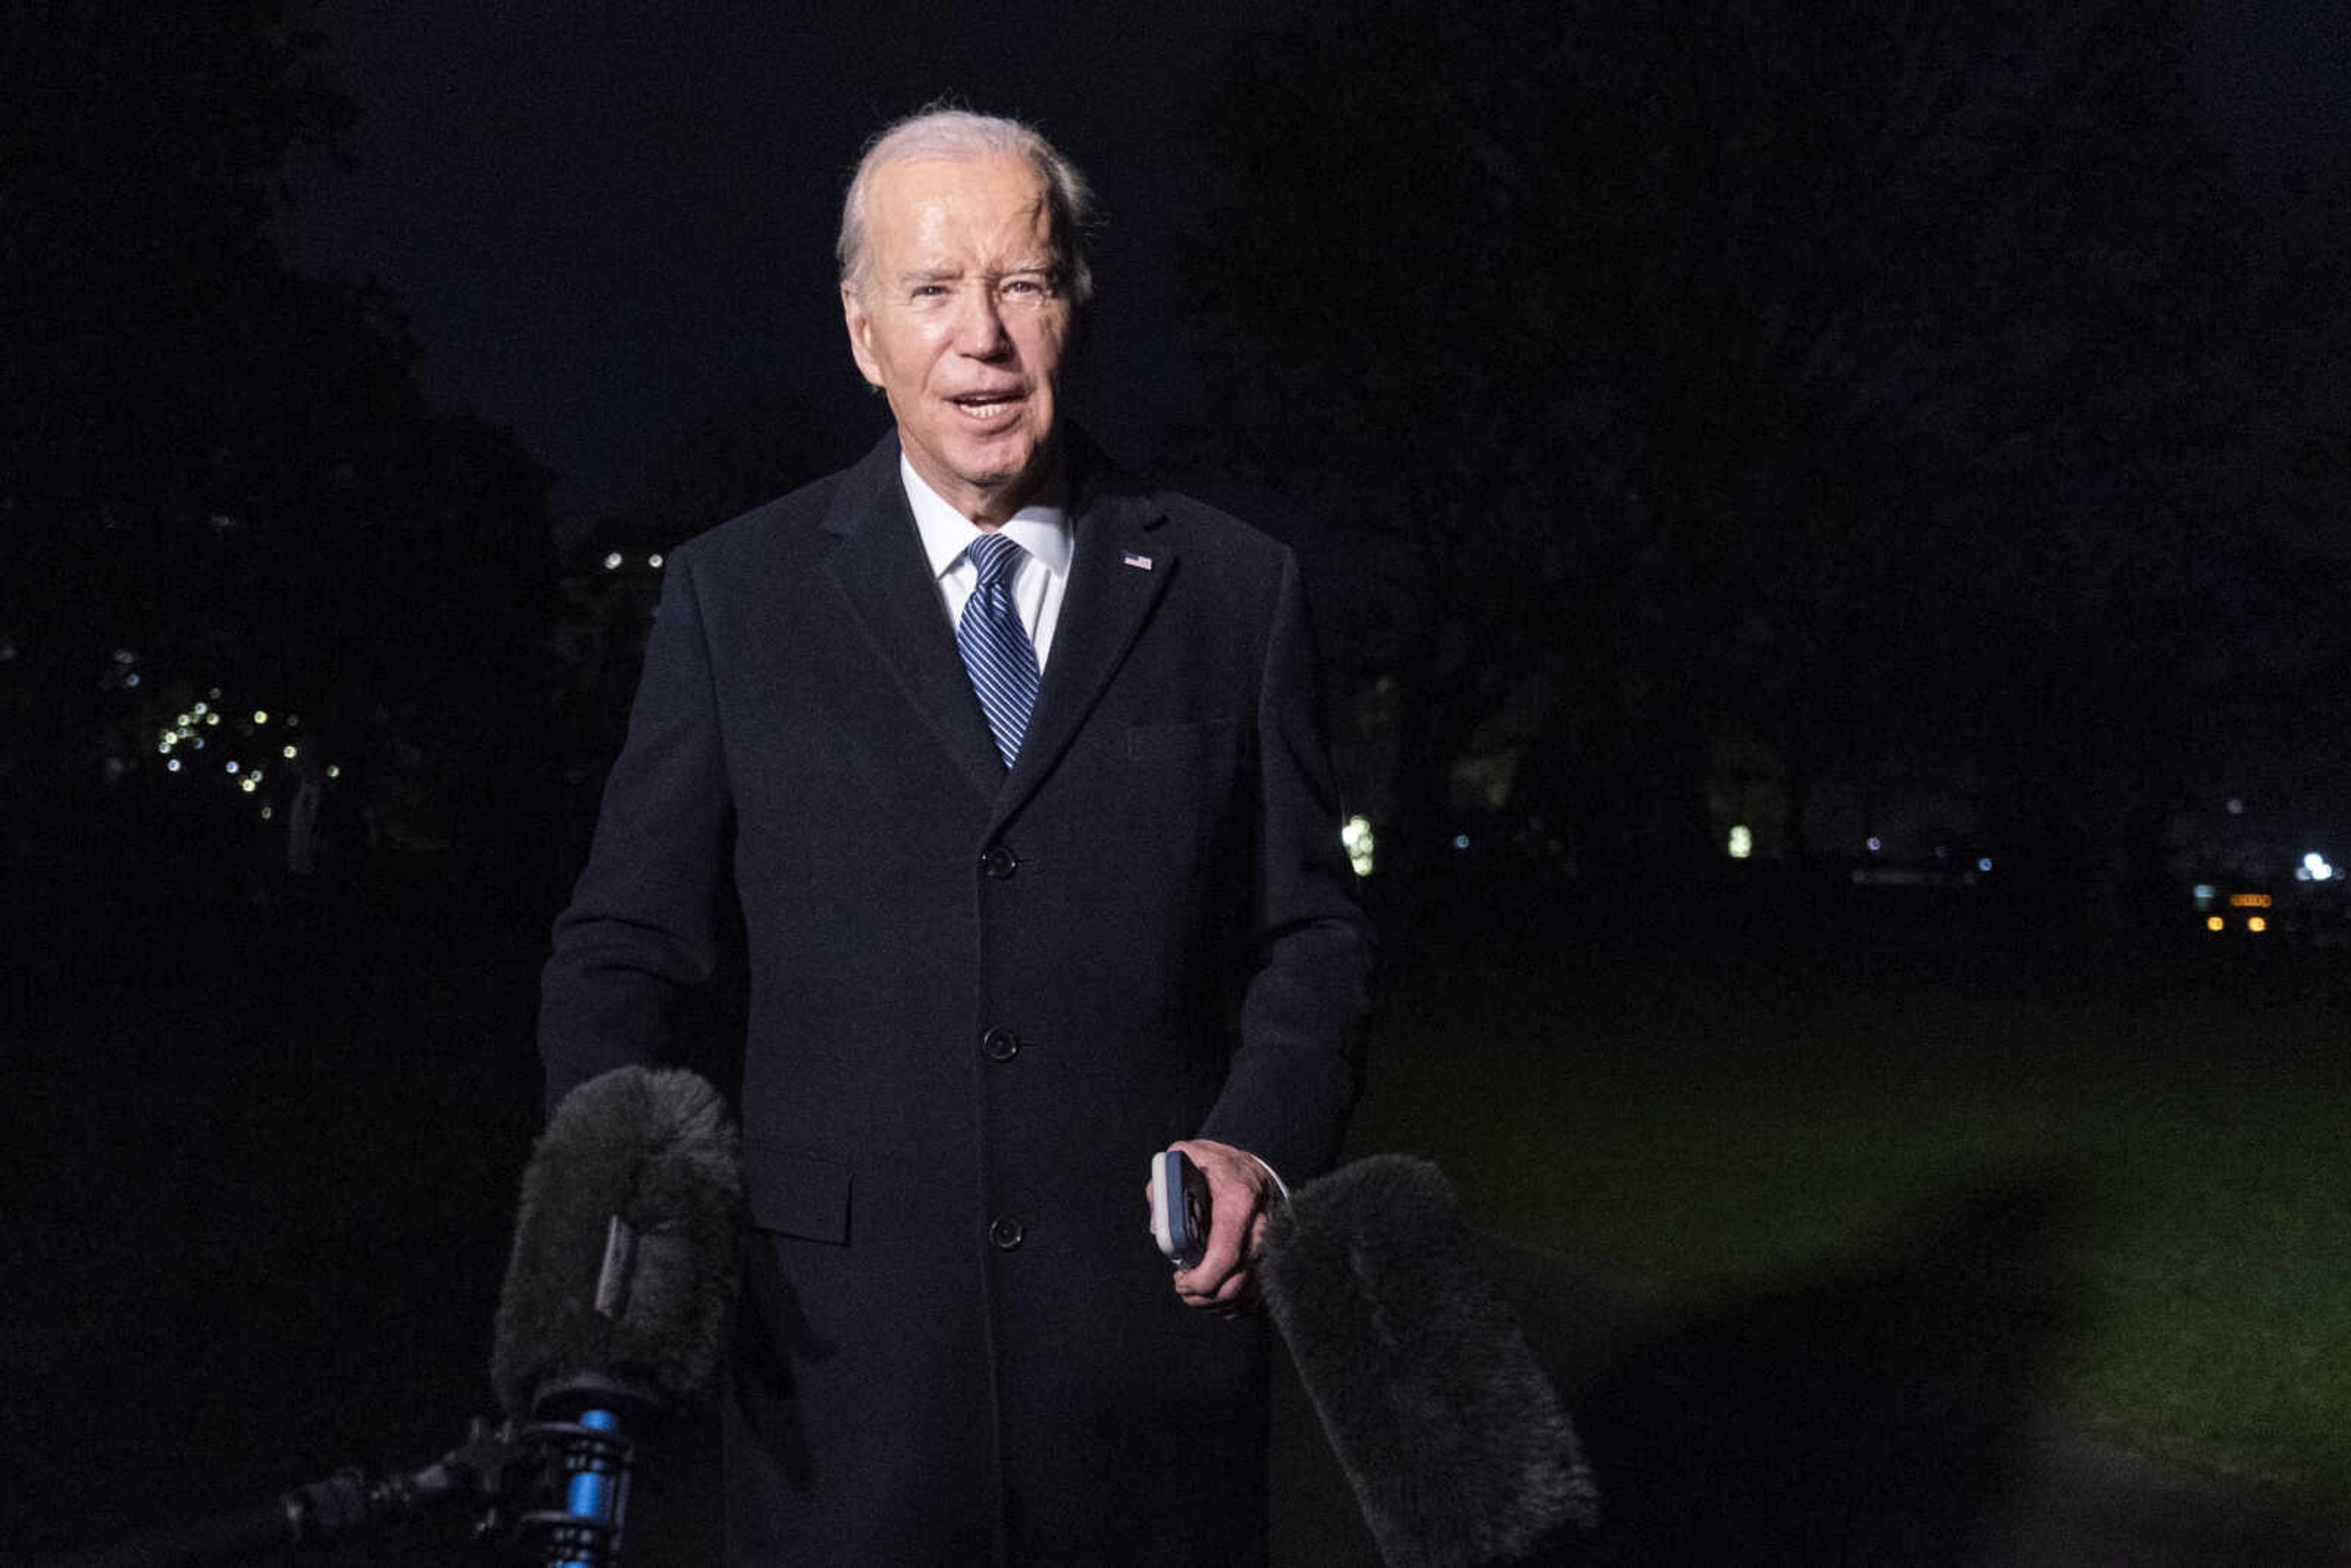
(130, 680)
(200, 708)
(1984, 865)
(2257, 924)
(1357, 836)
(183, 721)
(2249, 900)
(2214, 923)
(334, 772)
(2205, 894)
(212, 718)
(1460, 841)
(213, 694)
(2316, 865)
(293, 721)
(172, 766)
(254, 776)
(1875, 844)
(2236, 807)
(1743, 842)
(125, 657)
(230, 767)
(246, 785)
(654, 561)
(287, 753)
(265, 811)
(260, 715)
(198, 743)
(613, 562)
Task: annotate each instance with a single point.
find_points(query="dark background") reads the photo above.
(1913, 434)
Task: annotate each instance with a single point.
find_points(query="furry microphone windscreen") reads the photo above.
(1448, 1427)
(623, 1270)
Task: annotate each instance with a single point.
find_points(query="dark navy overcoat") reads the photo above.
(979, 1001)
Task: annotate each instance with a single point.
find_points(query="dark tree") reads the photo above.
(1844, 382)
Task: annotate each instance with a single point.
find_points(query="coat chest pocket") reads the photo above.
(794, 1191)
(1172, 743)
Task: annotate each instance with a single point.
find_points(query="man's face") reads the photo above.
(960, 319)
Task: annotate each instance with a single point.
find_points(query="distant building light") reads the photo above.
(334, 772)
(613, 562)
(1984, 865)
(172, 766)
(230, 767)
(1357, 837)
(1875, 844)
(1743, 842)
(654, 561)
(1460, 841)
(2214, 923)
(261, 715)
(288, 752)
(266, 813)
(2249, 900)
(198, 709)
(130, 680)
(2257, 925)
(2316, 865)
(2205, 894)
(212, 718)
(248, 785)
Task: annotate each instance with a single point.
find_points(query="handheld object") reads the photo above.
(1179, 1208)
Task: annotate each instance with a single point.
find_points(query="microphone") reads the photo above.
(620, 1286)
(614, 1312)
(1449, 1431)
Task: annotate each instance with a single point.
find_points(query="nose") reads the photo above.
(980, 324)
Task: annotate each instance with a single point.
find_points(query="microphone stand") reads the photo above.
(499, 1470)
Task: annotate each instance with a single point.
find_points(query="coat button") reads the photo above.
(998, 863)
(1001, 1044)
(1006, 1233)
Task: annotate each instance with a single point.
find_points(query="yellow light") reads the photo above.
(1357, 838)
(334, 772)
(2249, 900)
(2214, 923)
(260, 715)
(2257, 924)
(212, 718)
(1743, 842)
(246, 785)
(287, 753)
(181, 721)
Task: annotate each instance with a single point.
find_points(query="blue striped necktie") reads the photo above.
(995, 646)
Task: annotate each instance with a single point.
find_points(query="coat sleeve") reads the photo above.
(1293, 1074)
(640, 929)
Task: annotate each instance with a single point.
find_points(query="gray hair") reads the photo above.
(959, 135)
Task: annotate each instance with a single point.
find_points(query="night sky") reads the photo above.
(605, 220)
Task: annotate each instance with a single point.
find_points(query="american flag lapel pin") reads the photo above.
(1140, 562)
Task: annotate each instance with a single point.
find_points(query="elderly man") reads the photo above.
(1013, 767)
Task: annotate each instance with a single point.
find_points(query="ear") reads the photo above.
(861, 333)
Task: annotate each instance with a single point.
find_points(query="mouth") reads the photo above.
(989, 408)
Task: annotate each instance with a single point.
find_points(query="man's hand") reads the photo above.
(1240, 1193)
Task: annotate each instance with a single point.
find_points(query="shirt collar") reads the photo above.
(1041, 527)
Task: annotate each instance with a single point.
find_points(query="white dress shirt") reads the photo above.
(1040, 529)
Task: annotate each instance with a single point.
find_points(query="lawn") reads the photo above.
(1712, 1134)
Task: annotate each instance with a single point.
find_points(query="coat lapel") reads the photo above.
(880, 568)
(1117, 573)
